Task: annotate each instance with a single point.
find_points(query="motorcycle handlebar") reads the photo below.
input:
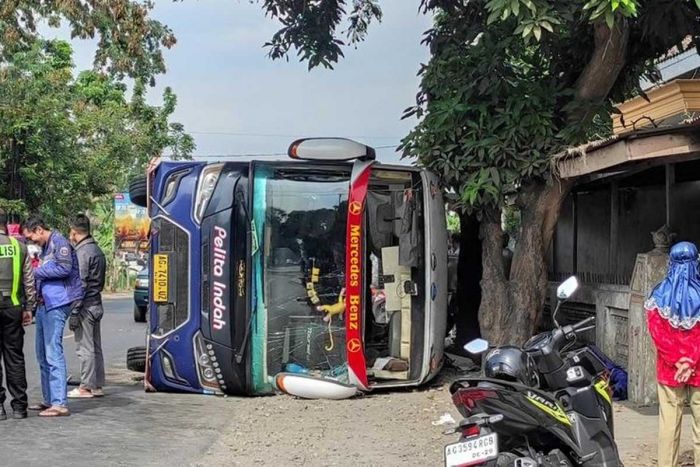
(582, 324)
(565, 334)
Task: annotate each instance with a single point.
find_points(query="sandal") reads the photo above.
(39, 407)
(99, 392)
(55, 411)
(80, 393)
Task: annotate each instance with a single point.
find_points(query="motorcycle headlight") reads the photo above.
(142, 283)
(205, 189)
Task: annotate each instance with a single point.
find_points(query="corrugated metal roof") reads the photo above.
(685, 45)
(591, 146)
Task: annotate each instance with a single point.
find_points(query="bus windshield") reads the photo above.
(299, 265)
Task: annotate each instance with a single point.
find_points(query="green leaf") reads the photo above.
(697, 2)
(515, 6)
(537, 31)
(610, 19)
(547, 26)
(592, 4)
(493, 17)
(598, 12)
(550, 19)
(495, 4)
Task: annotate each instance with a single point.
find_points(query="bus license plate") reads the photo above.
(472, 451)
(160, 278)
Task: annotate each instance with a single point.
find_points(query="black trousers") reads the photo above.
(12, 357)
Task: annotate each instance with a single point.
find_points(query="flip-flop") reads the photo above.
(55, 412)
(78, 393)
(39, 407)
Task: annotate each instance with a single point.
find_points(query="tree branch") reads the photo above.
(602, 70)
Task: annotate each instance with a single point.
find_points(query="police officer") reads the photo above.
(16, 282)
(60, 292)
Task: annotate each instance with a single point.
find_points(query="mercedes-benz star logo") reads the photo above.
(354, 345)
(355, 208)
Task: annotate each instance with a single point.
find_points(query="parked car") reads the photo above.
(141, 296)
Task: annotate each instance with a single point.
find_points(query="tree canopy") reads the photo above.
(509, 84)
(66, 140)
(129, 41)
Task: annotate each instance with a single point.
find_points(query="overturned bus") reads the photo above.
(330, 265)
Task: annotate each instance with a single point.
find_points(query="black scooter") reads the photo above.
(563, 417)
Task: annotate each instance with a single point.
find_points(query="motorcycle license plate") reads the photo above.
(472, 451)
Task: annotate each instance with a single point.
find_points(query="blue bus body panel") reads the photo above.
(178, 212)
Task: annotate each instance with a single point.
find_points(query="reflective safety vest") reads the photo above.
(12, 251)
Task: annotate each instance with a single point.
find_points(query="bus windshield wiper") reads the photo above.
(240, 353)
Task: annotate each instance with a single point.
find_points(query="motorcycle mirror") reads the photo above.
(567, 288)
(477, 346)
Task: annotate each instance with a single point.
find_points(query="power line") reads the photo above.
(274, 135)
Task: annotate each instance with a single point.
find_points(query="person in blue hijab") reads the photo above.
(673, 314)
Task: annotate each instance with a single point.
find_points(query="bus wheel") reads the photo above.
(136, 359)
(137, 191)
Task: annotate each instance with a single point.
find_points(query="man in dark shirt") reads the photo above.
(86, 321)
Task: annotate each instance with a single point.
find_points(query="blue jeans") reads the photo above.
(49, 353)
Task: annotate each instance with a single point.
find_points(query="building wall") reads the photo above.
(641, 211)
(594, 208)
(605, 264)
(637, 211)
(685, 214)
(610, 304)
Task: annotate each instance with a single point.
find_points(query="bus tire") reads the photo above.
(137, 191)
(136, 359)
(139, 314)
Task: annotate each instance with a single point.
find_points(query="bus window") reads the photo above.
(304, 269)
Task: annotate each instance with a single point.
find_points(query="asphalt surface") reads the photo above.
(127, 426)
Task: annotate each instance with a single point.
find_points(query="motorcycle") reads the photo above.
(540, 405)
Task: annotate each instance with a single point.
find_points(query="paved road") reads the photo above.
(127, 427)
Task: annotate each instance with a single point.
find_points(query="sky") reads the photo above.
(234, 100)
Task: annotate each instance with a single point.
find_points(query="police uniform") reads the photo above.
(16, 287)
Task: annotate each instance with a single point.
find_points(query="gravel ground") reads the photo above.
(382, 429)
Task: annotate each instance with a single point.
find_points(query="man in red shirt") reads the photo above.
(673, 313)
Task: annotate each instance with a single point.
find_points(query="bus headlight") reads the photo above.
(204, 359)
(205, 189)
(208, 377)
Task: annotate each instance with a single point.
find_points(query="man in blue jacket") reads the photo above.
(60, 291)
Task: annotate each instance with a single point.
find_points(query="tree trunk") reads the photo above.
(602, 69)
(511, 306)
(468, 295)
